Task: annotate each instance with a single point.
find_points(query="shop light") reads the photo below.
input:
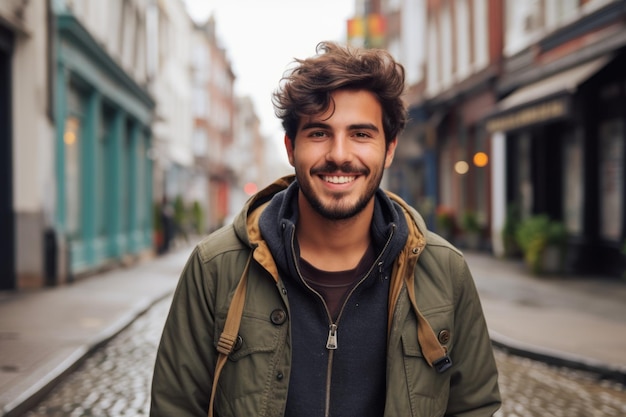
(461, 167)
(69, 137)
(481, 159)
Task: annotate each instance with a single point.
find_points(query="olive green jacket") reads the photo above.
(255, 379)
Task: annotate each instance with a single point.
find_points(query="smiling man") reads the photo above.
(349, 306)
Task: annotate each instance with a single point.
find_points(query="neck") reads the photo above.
(333, 245)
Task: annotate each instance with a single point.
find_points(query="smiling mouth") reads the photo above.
(338, 179)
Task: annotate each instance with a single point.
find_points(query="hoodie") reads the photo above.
(345, 377)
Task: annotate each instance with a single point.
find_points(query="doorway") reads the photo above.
(7, 218)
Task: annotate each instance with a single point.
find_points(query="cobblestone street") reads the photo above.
(115, 382)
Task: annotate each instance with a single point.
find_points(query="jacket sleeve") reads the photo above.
(474, 388)
(184, 366)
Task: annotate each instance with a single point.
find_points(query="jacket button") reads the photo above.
(238, 343)
(278, 316)
(279, 376)
(444, 336)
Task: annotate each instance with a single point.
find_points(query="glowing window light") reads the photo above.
(461, 167)
(481, 159)
(69, 137)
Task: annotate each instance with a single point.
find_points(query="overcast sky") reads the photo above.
(262, 37)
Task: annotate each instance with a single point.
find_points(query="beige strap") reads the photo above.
(231, 329)
(435, 354)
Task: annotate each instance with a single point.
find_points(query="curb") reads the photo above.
(31, 397)
(558, 358)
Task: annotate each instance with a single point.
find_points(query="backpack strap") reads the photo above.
(435, 354)
(231, 329)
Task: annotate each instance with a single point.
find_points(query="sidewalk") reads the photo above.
(578, 322)
(43, 334)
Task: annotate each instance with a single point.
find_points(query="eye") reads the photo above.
(317, 134)
(362, 135)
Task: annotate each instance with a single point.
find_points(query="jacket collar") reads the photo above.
(247, 222)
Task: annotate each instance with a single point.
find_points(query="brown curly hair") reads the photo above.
(306, 89)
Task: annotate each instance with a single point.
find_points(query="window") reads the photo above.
(611, 165)
(573, 180)
(481, 41)
(446, 46)
(525, 193)
(71, 140)
(463, 35)
(433, 72)
(559, 12)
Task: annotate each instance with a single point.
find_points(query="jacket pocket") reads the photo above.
(428, 389)
(243, 384)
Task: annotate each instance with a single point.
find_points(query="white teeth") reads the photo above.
(339, 179)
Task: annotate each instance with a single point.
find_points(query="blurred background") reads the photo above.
(127, 126)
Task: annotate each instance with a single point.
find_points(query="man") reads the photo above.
(352, 308)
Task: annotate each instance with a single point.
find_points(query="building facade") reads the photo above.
(103, 114)
(27, 169)
(560, 124)
(214, 115)
(518, 108)
(76, 189)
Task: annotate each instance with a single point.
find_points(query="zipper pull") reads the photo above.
(331, 343)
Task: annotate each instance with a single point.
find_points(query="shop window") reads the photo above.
(142, 194)
(71, 140)
(525, 184)
(573, 180)
(611, 165)
(105, 132)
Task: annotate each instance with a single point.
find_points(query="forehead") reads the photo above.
(349, 106)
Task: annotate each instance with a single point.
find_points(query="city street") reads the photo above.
(114, 382)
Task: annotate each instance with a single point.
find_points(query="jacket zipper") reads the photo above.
(332, 340)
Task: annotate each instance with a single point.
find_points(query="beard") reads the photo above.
(338, 208)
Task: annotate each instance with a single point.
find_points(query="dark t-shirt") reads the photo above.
(334, 286)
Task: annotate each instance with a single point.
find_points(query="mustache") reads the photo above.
(346, 168)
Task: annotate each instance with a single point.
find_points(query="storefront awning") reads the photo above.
(544, 100)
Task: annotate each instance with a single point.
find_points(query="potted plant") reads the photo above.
(509, 230)
(445, 222)
(472, 229)
(542, 242)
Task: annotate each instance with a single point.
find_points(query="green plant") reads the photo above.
(535, 234)
(509, 230)
(181, 217)
(198, 217)
(469, 222)
(445, 220)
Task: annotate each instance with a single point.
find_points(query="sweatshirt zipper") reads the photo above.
(332, 340)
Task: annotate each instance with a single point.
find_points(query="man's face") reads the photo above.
(339, 156)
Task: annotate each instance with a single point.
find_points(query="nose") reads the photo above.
(339, 149)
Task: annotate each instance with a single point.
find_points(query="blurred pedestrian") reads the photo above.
(167, 225)
(350, 306)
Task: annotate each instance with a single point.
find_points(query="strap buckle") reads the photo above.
(442, 364)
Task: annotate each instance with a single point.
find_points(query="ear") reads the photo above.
(289, 148)
(391, 151)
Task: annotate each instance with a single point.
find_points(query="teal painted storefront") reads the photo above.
(104, 176)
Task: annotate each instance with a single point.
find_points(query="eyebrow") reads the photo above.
(357, 126)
